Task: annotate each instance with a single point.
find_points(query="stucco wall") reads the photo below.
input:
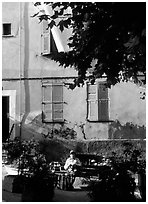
(40, 65)
(11, 45)
(24, 48)
(126, 105)
(22, 58)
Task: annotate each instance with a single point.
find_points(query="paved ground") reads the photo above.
(10, 197)
(70, 196)
(60, 196)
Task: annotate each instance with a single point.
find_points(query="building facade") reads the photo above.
(36, 98)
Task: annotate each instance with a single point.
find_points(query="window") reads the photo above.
(52, 102)
(45, 38)
(6, 28)
(51, 41)
(97, 102)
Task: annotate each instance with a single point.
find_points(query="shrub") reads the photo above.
(116, 180)
(33, 170)
(112, 187)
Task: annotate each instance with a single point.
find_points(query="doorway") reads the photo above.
(5, 118)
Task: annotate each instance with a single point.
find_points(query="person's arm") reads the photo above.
(66, 164)
(78, 163)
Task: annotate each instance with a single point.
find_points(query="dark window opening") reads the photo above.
(5, 118)
(53, 47)
(7, 29)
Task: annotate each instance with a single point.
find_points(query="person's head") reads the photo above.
(72, 154)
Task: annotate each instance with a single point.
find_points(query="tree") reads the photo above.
(112, 35)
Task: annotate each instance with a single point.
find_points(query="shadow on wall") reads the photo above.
(26, 133)
(54, 129)
(35, 128)
(127, 131)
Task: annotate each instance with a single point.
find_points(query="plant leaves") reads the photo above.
(55, 15)
(35, 14)
(37, 3)
(61, 25)
(110, 34)
(51, 24)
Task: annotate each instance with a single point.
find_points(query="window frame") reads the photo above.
(88, 117)
(52, 120)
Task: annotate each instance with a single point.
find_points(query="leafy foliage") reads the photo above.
(113, 187)
(116, 179)
(126, 131)
(28, 157)
(35, 180)
(129, 158)
(112, 34)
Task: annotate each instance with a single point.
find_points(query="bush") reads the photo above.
(35, 178)
(56, 149)
(116, 180)
(112, 187)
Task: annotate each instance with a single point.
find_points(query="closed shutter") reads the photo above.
(52, 102)
(45, 38)
(102, 102)
(47, 110)
(92, 103)
(57, 93)
(47, 93)
(47, 103)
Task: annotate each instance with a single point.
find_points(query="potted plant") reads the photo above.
(34, 175)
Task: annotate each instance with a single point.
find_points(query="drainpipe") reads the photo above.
(20, 13)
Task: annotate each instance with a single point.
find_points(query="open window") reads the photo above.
(51, 40)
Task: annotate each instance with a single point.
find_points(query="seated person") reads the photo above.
(71, 165)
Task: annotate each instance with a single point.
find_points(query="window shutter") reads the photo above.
(52, 102)
(47, 110)
(103, 110)
(103, 102)
(57, 112)
(57, 92)
(47, 93)
(57, 97)
(47, 102)
(45, 38)
(92, 103)
(102, 91)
